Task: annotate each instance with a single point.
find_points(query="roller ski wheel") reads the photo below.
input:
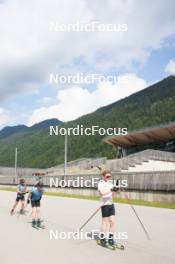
(119, 246)
(116, 245)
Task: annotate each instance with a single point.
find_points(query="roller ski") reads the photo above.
(107, 244)
(104, 243)
(40, 225)
(34, 225)
(119, 246)
(113, 243)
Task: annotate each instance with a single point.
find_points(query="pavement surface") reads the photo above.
(22, 244)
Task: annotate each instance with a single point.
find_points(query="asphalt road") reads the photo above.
(21, 244)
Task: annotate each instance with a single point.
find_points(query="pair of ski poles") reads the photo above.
(132, 207)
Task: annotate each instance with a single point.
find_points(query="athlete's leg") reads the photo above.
(104, 230)
(38, 216)
(33, 216)
(34, 213)
(14, 206)
(112, 224)
(22, 206)
(105, 225)
(38, 213)
(111, 234)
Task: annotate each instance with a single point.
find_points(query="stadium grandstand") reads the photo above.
(149, 149)
(157, 138)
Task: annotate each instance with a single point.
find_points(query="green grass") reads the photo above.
(146, 203)
(8, 189)
(96, 198)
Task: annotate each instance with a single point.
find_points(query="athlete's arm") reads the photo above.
(103, 193)
(29, 197)
(27, 190)
(19, 192)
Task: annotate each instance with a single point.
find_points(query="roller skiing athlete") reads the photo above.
(106, 189)
(21, 191)
(35, 196)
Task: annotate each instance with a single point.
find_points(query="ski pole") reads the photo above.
(134, 210)
(87, 221)
(96, 211)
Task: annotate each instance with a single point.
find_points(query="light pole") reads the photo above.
(16, 162)
(65, 154)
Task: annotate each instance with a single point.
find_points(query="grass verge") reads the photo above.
(96, 198)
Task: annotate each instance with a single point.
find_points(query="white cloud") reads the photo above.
(170, 67)
(29, 52)
(76, 101)
(46, 100)
(4, 117)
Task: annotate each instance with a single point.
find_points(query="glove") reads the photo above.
(114, 189)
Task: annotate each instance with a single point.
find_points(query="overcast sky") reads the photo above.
(30, 50)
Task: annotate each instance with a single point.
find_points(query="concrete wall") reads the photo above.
(162, 197)
(24, 172)
(141, 181)
(149, 181)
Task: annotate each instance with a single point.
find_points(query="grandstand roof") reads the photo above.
(144, 136)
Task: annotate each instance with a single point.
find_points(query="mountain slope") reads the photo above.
(8, 131)
(149, 107)
(46, 124)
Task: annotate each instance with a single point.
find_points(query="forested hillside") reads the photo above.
(149, 107)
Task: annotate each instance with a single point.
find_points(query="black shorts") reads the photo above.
(20, 198)
(108, 210)
(35, 203)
